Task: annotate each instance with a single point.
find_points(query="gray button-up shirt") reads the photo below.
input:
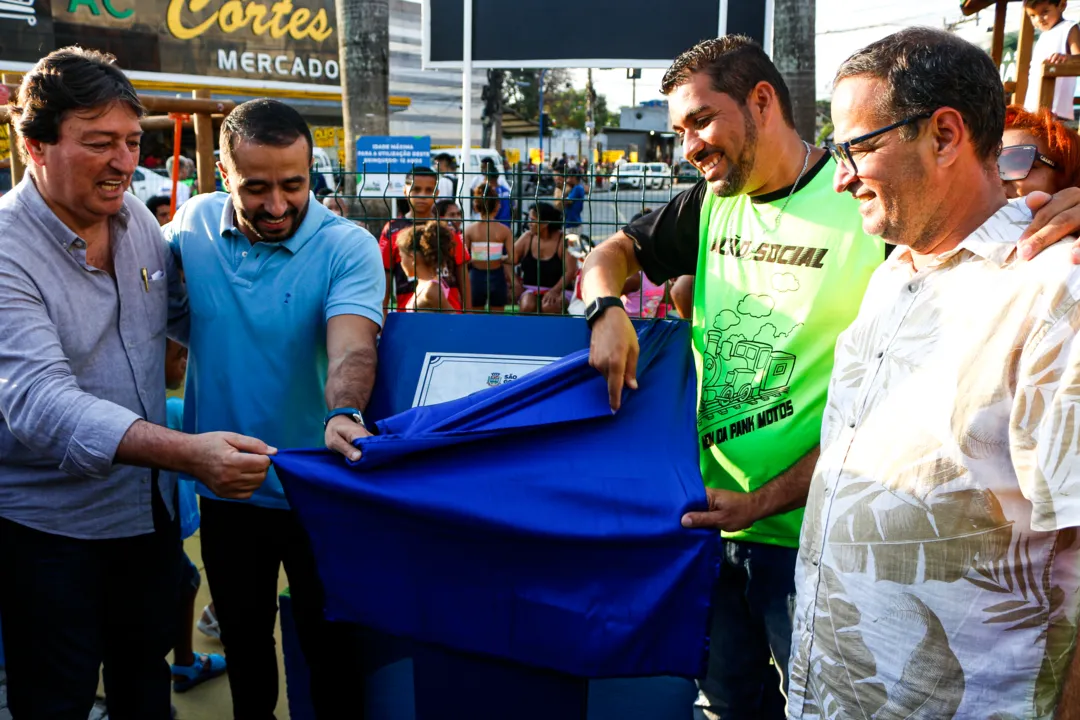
(82, 357)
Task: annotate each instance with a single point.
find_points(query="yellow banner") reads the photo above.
(513, 156)
(536, 156)
(5, 144)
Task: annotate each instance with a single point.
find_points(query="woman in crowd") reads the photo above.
(425, 253)
(489, 243)
(1039, 153)
(547, 270)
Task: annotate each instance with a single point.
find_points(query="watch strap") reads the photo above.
(354, 413)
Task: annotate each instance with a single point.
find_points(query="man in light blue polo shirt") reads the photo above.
(286, 304)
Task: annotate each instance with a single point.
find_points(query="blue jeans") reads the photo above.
(753, 607)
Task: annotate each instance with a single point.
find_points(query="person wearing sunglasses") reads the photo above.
(948, 472)
(1039, 153)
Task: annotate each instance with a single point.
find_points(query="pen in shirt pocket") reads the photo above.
(145, 280)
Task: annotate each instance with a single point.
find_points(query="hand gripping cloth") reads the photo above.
(526, 522)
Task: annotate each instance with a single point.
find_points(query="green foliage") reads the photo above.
(564, 104)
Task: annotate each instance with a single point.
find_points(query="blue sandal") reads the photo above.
(207, 666)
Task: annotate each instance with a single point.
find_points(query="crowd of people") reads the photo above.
(888, 442)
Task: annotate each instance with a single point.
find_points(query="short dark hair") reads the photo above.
(422, 171)
(489, 168)
(918, 68)
(446, 157)
(441, 206)
(1033, 3)
(735, 64)
(547, 214)
(157, 201)
(265, 122)
(68, 79)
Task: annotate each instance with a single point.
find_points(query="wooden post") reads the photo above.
(997, 45)
(204, 146)
(1023, 58)
(1050, 74)
(17, 166)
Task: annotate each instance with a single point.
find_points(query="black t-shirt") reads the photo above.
(666, 240)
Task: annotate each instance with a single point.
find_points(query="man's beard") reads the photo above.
(294, 216)
(737, 176)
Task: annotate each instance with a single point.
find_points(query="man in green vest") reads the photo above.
(780, 263)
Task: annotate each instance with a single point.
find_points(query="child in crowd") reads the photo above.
(489, 243)
(425, 251)
(189, 668)
(1058, 40)
(449, 212)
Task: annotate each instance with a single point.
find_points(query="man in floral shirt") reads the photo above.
(939, 565)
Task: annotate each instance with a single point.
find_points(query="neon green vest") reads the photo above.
(768, 307)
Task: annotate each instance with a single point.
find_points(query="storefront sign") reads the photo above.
(283, 40)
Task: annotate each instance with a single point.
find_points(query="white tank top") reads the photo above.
(1054, 40)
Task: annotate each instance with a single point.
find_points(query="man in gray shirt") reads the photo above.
(89, 543)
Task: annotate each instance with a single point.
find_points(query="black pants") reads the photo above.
(70, 606)
(243, 548)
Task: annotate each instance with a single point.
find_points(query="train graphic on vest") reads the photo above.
(745, 372)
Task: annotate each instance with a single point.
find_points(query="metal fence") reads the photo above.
(384, 203)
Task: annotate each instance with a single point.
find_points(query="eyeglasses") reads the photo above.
(841, 152)
(1016, 161)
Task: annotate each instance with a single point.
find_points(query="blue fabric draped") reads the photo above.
(526, 522)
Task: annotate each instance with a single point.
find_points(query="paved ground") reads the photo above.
(607, 211)
(209, 701)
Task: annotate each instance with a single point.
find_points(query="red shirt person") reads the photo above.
(421, 192)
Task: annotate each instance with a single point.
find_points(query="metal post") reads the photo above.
(466, 90)
(541, 146)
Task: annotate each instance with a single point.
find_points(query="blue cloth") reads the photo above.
(526, 522)
(188, 505)
(258, 361)
(575, 203)
(504, 213)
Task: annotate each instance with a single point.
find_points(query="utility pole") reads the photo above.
(364, 55)
(793, 52)
(633, 74)
(590, 119)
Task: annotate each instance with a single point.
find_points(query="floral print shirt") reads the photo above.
(939, 563)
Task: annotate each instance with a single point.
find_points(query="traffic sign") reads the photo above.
(392, 154)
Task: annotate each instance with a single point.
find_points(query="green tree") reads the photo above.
(521, 90)
(568, 109)
(564, 104)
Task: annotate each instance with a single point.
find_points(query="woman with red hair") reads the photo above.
(1038, 153)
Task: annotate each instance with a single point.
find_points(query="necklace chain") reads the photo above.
(805, 164)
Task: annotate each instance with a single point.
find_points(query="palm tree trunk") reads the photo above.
(793, 53)
(364, 54)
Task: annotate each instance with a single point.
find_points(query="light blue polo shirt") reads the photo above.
(257, 363)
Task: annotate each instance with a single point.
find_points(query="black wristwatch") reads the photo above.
(353, 414)
(597, 307)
